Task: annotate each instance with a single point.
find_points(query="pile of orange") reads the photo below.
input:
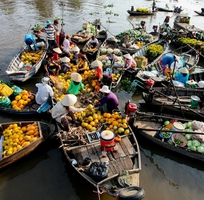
(16, 137)
(22, 99)
(92, 120)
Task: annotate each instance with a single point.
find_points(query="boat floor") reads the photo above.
(118, 160)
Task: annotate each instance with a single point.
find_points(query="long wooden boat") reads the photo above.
(26, 141)
(164, 9)
(149, 125)
(154, 70)
(120, 161)
(136, 13)
(199, 13)
(181, 105)
(182, 21)
(11, 104)
(26, 63)
(101, 36)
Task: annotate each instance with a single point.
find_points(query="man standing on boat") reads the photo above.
(30, 40)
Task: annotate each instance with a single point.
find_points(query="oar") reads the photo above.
(187, 132)
(131, 23)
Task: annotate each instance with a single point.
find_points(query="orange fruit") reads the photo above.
(18, 97)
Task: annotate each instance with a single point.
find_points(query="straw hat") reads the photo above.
(177, 58)
(183, 70)
(76, 48)
(181, 31)
(65, 59)
(69, 100)
(48, 22)
(45, 80)
(57, 50)
(195, 98)
(76, 77)
(191, 82)
(96, 63)
(128, 56)
(105, 89)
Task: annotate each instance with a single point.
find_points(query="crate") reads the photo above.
(141, 62)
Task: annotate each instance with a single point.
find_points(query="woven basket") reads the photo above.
(180, 137)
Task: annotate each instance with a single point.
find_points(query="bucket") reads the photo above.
(178, 126)
(85, 25)
(40, 44)
(107, 140)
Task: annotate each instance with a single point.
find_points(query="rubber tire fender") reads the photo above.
(129, 194)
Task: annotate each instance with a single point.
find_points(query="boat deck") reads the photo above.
(147, 125)
(118, 160)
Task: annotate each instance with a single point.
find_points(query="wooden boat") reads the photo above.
(199, 13)
(101, 36)
(136, 13)
(142, 53)
(148, 125)
(30, 106)
(112, 58)
(164, 9)
(182, 21)
(88, 29)
(154, 70)
(123, 163)
(26, 63)
(23, 147)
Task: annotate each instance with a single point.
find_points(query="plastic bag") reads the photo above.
(5, 102)
(16, 90)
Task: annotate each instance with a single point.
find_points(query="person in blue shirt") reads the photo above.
(182, 75)
(29, 40)
(166, 61)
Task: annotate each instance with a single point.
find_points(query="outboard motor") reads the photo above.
(130, 108)
(149, 84)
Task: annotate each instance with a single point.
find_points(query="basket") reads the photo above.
(141, 62)
(179, 136)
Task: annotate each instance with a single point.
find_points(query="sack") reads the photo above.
(16, 90)
(5, 102)
(5, 90)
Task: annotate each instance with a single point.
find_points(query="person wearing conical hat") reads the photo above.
(56, 52)
(109, 101)
(182, 75)
(76, 84)
(64, 65)
(129, 61)
(65, 108)
(44, 91)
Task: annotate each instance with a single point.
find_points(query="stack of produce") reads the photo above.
(144, 10)
(133, 34)
(16, 137)
(31, 58)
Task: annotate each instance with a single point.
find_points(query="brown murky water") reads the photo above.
(44, 174)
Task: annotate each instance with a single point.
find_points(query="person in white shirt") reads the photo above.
(63, 108)
(44, 91)
(93, 42)
(66, 45)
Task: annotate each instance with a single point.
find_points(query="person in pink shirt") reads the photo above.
(129, 61)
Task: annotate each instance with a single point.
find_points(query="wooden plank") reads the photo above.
(109, 154)
(128, 144)
(93, 154)
(128, 163)
(79, 156)
(119, 153)
(112, 167)
(117, 166)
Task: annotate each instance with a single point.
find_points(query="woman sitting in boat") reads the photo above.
(64, 66)
(74, 56)
(126, 41)
(56, 52)
(76, 84)
(30, 40)
(129, 62)
(49, 65)
(93, 42)
(98, 75)
(44, 91)
(65, 108)
(109, 102)
(82, 62)
(182, 75)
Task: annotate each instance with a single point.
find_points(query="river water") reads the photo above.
(44, 174)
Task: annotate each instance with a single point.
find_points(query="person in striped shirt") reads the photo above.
(50, 31)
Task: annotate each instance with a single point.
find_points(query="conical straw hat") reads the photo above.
(69, 100)
(76, 77)
(96, 63)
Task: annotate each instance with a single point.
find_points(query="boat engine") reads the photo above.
(149, 83)
(130, 108)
